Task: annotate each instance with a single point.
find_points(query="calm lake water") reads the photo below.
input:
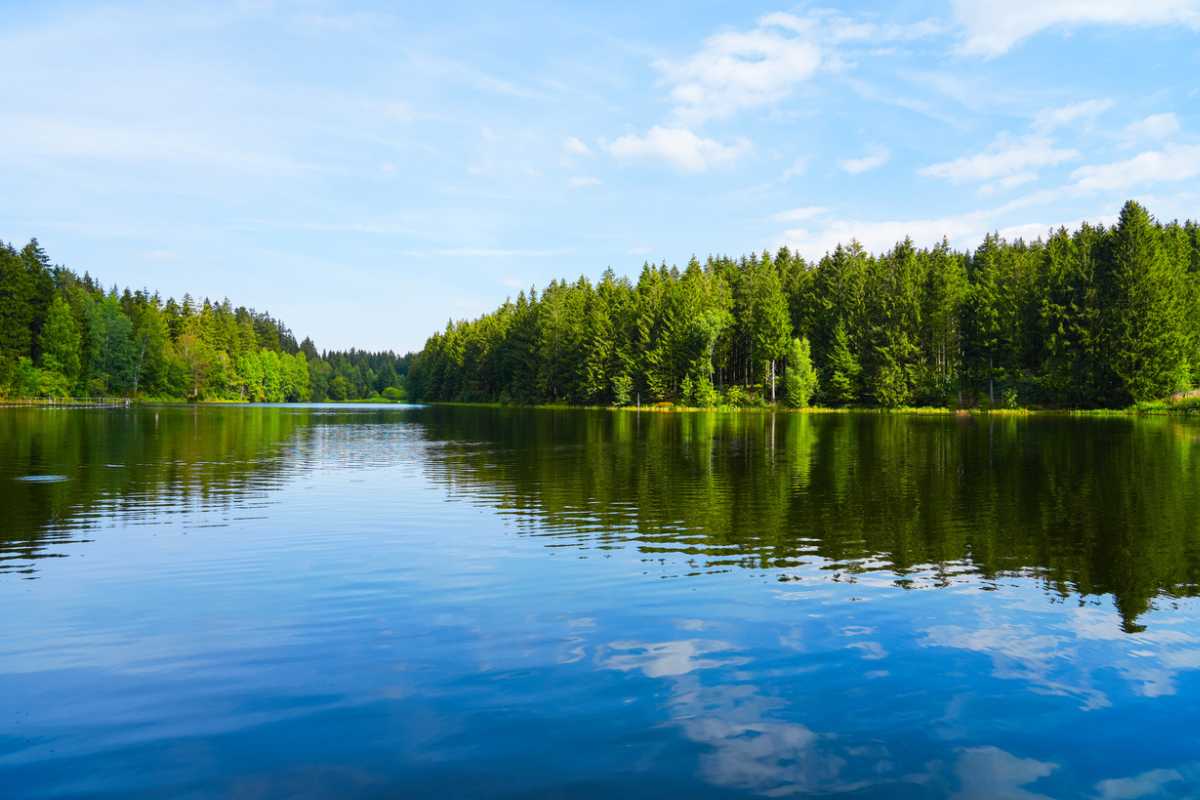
(261, 602)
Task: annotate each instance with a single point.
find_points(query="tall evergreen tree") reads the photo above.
(1147, 323)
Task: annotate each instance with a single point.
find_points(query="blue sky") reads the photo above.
(367, 170)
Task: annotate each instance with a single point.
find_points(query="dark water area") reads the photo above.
(295, 602)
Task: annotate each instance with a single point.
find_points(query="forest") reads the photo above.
(1096, 317)
(64, 336)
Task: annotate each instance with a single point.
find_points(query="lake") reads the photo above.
(261, 602)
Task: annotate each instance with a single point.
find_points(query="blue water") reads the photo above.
(269, 602)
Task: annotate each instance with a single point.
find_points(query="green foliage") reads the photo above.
(737, 396)
(26, 378)
(1097, 317)
(62, 336)
(1148, 321)
(60, 343)
(801, 377)
(843, 369)
(622, 389)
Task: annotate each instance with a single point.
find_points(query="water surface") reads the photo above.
(448, 602)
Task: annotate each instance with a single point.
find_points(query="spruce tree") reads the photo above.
(843, 369)
(1147, 324)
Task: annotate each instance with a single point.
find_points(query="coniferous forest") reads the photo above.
(63, 335)
(1096, 317)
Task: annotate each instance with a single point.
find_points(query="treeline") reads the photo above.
(63, 335)
(1095, 317)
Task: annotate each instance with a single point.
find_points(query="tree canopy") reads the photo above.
(1094, 317)
(63, 335)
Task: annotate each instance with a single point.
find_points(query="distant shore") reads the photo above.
(111, 402)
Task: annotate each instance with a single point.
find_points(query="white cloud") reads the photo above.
(1004, 157)
(1049, 119)
(1009, 182)
(574, 146)
(738, 70)
(743, 69)
(1147, 784)
(992, 28)
(799, 214)
(1172, 163)
(876, 158)
(964, 230)
(989, 772)
(679, 147)
(1155, 126)
(583, 182)
(669, 659)
(838, 28)
(1029, 231)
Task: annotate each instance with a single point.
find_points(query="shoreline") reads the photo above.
(128, 402)
(1188, 407)
(1145, 409)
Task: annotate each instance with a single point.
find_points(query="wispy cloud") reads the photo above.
(1009, 182)
(1004, 158)
(1153, 127)
(991, 29)
(1145, 784)
(742, 69)
(583, 181)
(874, 159)
(738, 70)
(679, 147)
(799, 214)
(1171, 164)
(33, 135)
(574, 146)
(1050, 119)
